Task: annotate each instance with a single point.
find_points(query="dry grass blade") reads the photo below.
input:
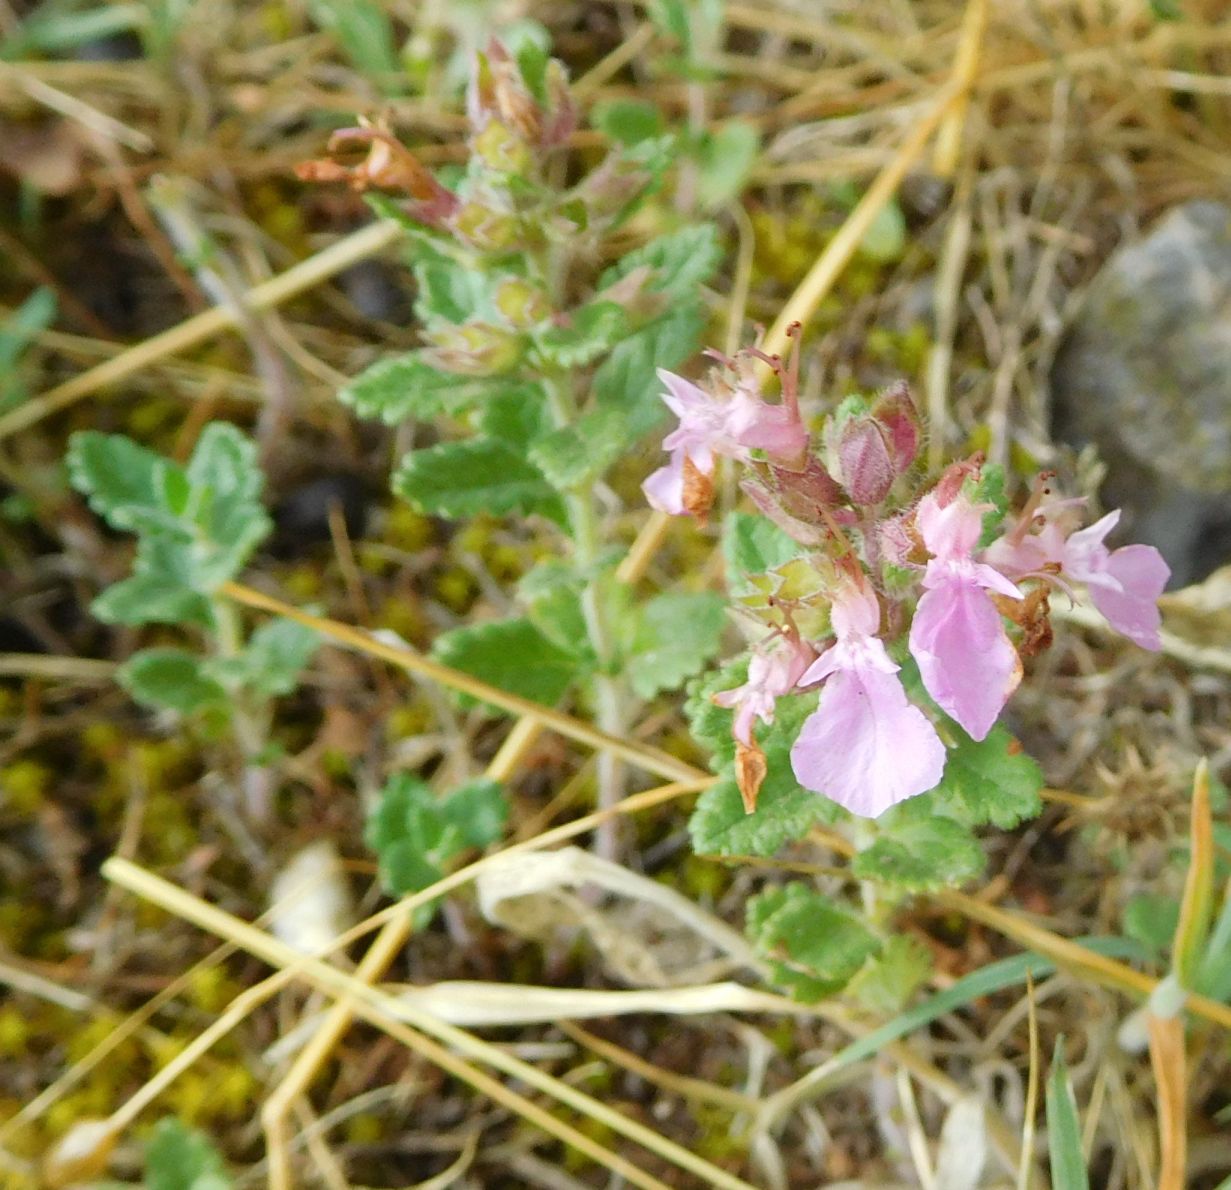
(372, 966)
(385, 1012)
(57, 669)
(1168, 1061)
(332, 260)
(1025, 1168)
(829, 265)
(965, 72)
(650, 759)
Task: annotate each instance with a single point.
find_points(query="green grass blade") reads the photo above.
(1068, 1163)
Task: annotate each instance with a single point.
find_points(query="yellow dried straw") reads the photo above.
(426, 1034)
(650, 759)
(375, 962)
(327, 263)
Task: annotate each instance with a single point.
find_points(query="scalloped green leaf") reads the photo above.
(173, 680)
(675, 635)
(814, 945)
(480, 475)
(920, 853)
(627, 380)
(181, 1158)
(989, 781)
(593, 331)
(404, 387)
(681, 261)
(752, 545)
(120, 478)
(511, 654)
(785, 810)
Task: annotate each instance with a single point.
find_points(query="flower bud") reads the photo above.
(521, 303)
(896, 413)
(486, 229)
(865, 465)
(502, 150)
(475, 349)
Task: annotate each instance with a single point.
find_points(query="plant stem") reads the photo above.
(610, 693)
(251, 724)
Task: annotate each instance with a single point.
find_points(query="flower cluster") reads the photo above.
(886, 568)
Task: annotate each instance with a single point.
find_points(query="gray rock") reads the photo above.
(1144, 374)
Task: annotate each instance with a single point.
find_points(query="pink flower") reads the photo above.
(865, 747)
(966, 660)
(770, 676)
(1124, 584)
(710, 427)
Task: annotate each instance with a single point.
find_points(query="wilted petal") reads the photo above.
(866, 747)
(664, 489)
(1127, 592)
(966, 660)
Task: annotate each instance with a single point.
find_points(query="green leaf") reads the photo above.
(991, 490)
(752, 545)
(411, 836)
(815, 946)
(479, 811)
(593, 331)
(627, 380)
(885, 239)
(785, 810)
(173, 680)
(628, 121)
(481, 475)
(919, 850)
(1068, 1163)
(1213, 976)
(551, 595)
(710, 724)
(986, 981)
(1167, 10)
(575, 456)
(364, 32)
(151, 597)
(403, 387)
(887, 982)
(681, 261)
(417, 835)
(223, 498)
(518, 415)
(675, 636)
(991, 780)
(181, 1158)
(276, 655)
(24, 324)
(198, 525)
(449, 289)
(511, 654)
(119, 478)
(726, 157)
(1151, 919)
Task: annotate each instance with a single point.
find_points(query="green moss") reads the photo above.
(406, 529)
(456, 589)
(24, 784)
(169, 831)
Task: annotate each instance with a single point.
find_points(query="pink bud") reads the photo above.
(895, 412)
(865, 465)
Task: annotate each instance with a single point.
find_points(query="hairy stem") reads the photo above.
(610, 694)
(250, 722)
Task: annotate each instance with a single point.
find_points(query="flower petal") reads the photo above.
(1127, 593)
(664, 489)
(866, 747)
(966, 660)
